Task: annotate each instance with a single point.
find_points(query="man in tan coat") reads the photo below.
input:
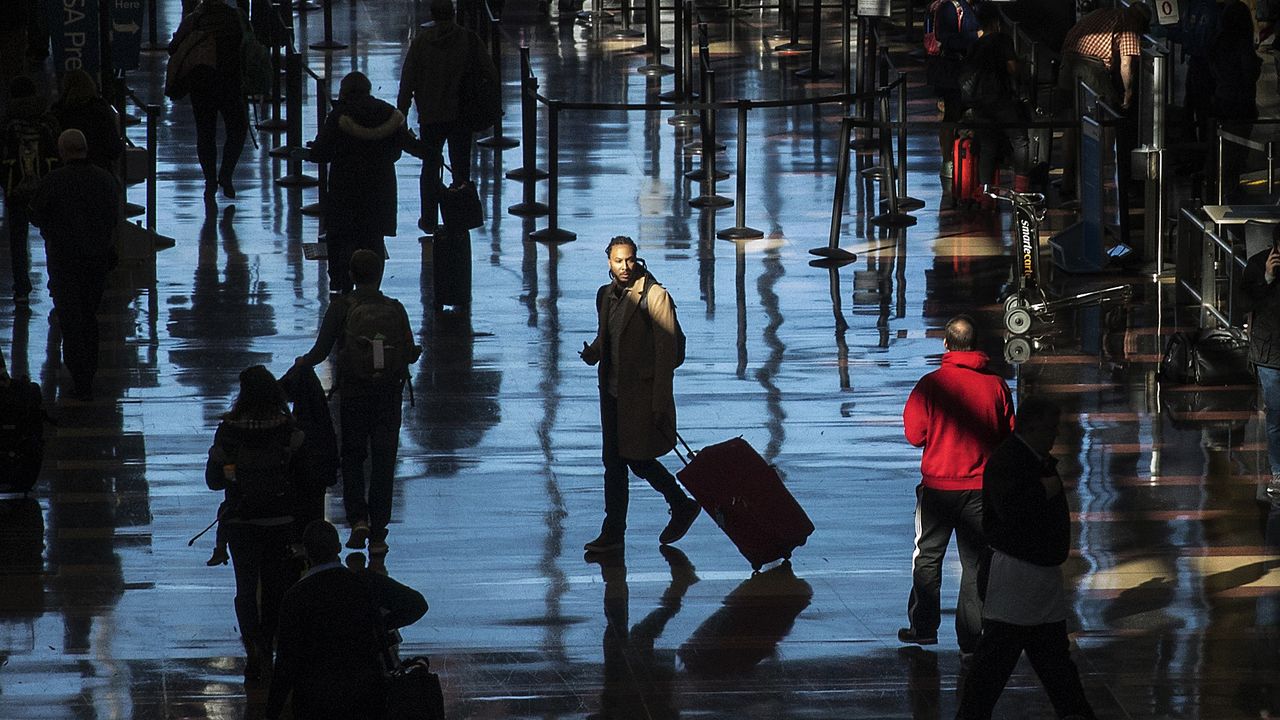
(635, 349)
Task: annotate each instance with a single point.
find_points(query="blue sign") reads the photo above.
(126, 33)
(73, 28)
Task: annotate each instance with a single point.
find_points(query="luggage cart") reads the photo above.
(1028, 298)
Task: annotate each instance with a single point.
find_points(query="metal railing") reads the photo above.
(1209, 270)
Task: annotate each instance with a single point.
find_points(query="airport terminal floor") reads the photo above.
(108, 613)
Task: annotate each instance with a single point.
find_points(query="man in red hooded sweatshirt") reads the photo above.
(958, 413)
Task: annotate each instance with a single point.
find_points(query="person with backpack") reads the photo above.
(81, 107)
(28, 152)
(444, 60)
(637, 347)
(254, 459)
(375, 348)
(951, 28)
(206, 51)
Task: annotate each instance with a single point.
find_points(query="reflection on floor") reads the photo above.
(105, 612)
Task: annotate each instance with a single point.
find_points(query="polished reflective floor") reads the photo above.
(106, 612)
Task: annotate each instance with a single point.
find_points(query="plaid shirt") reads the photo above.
(1100, 36)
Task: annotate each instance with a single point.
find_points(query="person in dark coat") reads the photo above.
(990, 71)
(1027, 524)
(956, 28)
(1261, 293)
(215, 90)
(334, 626)
(438, 59)
(255, 524)
(319, 445)
(80, 107)
(77, 208)
(361, 140)
(28, 126)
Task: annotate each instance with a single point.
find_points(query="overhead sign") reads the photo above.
(874, 8)
(73, 28)
(126, 33)
(1167, 12)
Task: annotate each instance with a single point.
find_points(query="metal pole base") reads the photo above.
(899, 219)
(909, 203)
(273, 125)
(809, 74)
(683, 120)
(790, 47)
(711, 201)
(694, 147)
(740, 233)
(133, 209)
(553, 235)
(527, 174)
(328, 45)
(700, 175)
(311, 209)
(529, 209)
(300, 180)
(624, 33)
(590, 16)
(498, 143)
(834, 255)
(677, 96)
(655, 70)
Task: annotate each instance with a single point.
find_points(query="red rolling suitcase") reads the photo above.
(964, 173)
(747, 499)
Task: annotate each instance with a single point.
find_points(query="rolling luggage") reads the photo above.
(451, 267)
(746, 498)
(965, 187)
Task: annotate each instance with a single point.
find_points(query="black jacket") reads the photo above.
(1017, 518)
(1263, 300)
(26, 114)
(77, 208)
(361, 140)
(330, 642)
(311, 412)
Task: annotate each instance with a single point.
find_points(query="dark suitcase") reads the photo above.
(451, 267)
(1207, 357)
(964, 173)
(413, 692)
(747, 499)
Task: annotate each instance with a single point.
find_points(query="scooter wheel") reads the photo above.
(1017, 320)
(1017, 351)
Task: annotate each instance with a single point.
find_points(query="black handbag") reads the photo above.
(460, 205)
(1208, 357)
(413, 692)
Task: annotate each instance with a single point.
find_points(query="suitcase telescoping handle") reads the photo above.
(688, 451)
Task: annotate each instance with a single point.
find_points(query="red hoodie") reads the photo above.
(958, 413)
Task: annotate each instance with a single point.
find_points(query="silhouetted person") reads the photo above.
(254, 459)
(77, 208)
(1261, 292)
(958, 413)
(80, 107)
(1235, 68)
(438, 58)
(361, 140)
(1028, 525)
(334, 626)
(635, 349)
(375, 346)
(28, 153)
(213, 80)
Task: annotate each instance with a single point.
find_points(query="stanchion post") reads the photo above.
(815, 71)
(275, 123)
(653, 41)
(322, 169)
(709, 198)
(793, 43)
(626, 31)
(740, 230)
(153, 44)
(886, 173)
(553, 232)
(846, 51)
(497, 140)
(905, 201)
(153, 114)
(293, 137)
(680, 91)
(832, 252)
(783, 32)
(528, 123)
(328, 44)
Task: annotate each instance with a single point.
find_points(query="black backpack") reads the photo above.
(28, 159)
(262, 459)
(1207, 357)
(21, 435)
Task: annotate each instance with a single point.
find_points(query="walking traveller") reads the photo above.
(1261, 293)
(1028, 526)
(375, 347)
(77, 208)
(254, 459)
(80, 107)
(636, 351)
(28, 152)
(958, 413)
